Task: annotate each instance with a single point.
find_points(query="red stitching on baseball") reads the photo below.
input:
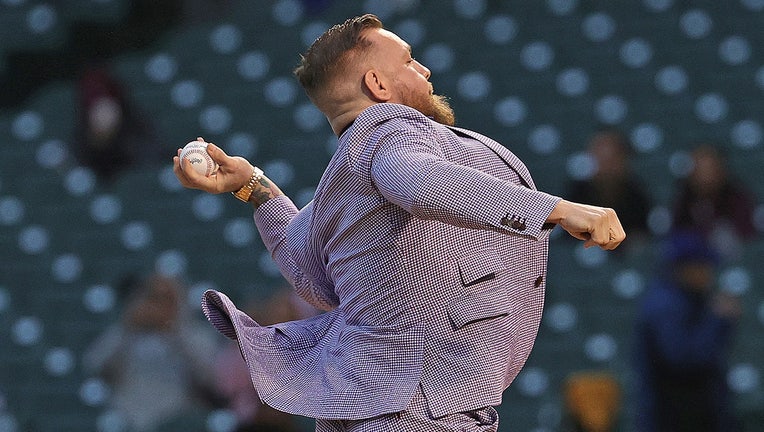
(206, 156)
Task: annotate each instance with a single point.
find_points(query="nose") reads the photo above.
(423, 70)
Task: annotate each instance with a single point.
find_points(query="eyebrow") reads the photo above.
(408, 47)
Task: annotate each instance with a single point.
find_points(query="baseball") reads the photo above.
(196, 153)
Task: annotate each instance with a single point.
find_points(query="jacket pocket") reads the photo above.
(479, 306)
(480, 267)
(490, 302)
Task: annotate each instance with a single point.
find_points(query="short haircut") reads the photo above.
(329, 54)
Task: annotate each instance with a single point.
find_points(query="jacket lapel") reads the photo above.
(505, 154)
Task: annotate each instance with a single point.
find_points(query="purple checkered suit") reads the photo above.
(428, 246)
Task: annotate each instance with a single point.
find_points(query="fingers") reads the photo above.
(217, 154)
(178, 171)
(600, 233)
(595, 226)
(617, 233)
(607, 231)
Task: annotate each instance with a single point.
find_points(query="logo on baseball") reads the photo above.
(196, 153)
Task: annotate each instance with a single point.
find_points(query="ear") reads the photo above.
(377, 86)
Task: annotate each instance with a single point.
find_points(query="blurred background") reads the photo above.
(653, 107)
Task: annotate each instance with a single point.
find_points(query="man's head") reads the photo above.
(357, 64)
(334, 54)
(610, 149)
(692, 260)
(709, 173)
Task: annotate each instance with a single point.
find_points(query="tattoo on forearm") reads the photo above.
(265, 191)
(260, 196)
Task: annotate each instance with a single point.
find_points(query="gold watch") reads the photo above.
(245, 192)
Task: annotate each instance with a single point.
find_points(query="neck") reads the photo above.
(340, 124)
(345, 114)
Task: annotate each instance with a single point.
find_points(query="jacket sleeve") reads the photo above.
(410, 170)
(273, 218)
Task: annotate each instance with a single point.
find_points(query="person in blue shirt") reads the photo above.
(683, 335)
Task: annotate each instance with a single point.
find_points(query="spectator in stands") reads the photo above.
(613, 184)
(683, 336)
(110, 135)
(710, 200)
(157, 361)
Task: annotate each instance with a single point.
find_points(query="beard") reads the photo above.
(434, 106)
(441, 110)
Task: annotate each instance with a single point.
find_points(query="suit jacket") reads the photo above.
(428, 247)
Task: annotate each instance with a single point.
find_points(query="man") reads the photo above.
(426, 244)
(684, 333)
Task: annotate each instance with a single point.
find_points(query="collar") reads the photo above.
(345, 129)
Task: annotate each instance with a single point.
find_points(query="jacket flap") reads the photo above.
(481, 305)
(480, 266)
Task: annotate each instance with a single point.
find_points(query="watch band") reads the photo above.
(245, 192)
